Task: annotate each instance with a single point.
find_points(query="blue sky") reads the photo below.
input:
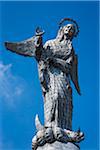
(20, 92)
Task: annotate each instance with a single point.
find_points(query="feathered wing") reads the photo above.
(74, 74)
(25, 48)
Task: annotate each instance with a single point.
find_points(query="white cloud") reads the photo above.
(11, 87)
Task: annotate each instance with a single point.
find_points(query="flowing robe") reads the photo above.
(55, 81)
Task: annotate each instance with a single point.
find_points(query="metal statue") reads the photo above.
(57, 66)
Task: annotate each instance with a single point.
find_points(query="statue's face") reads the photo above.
(69, 30)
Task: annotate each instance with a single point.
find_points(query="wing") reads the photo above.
(74, 74)
(25, 48)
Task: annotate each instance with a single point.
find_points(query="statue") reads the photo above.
(57, 65)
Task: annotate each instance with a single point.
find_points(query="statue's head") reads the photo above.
(69, 30)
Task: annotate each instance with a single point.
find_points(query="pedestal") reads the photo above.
(58, 146)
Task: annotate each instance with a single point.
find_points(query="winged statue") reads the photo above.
(57, 67)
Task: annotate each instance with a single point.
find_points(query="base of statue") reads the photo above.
(59, 146)
(50, 135)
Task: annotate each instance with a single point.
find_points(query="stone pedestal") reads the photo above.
(58, 146)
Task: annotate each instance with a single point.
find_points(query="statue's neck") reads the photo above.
(66, 37)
